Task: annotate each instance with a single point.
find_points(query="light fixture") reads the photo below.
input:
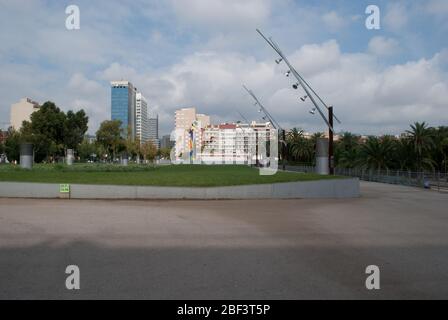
(295, 85)
(287, 73)
(277, 61)
(259, 110)
(304, 97)
(313, 111)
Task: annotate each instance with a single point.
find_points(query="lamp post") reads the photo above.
(274, 123)
(330, 142)
(309, 93)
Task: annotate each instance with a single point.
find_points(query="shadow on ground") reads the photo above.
(37, 272)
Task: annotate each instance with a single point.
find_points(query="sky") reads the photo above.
(184, 53)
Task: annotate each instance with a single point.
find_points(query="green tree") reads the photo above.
(346, 152)
(109, 136)
(12, 145)
(439, 150)
(376, 153)
(294, 135)
(421, 138)
(75, 127)
(299, 148)
(404, 154)
(133, 145)
(149, 151)
(86, 149)
(164, 153)
(46, 131)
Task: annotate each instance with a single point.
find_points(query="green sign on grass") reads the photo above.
(64, 188)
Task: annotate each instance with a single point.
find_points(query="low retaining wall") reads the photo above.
(334, 188)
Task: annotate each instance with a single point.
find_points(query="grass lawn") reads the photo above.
(170, 175)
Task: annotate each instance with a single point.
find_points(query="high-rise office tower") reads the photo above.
(154, 130)
(123, 106)
(141, 118)
(166, 142)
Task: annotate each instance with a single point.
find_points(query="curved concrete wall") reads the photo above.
(334, 188)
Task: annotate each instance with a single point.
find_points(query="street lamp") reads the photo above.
(274, 123)
(308, 90)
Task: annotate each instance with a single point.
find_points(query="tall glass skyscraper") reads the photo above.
(123, 106)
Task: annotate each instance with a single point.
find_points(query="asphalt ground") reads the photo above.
(242, 249)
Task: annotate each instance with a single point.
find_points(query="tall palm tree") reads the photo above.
(347, 150)
(294, 134)
(348, 158)
(439, 150)
(404, 153)
(349, 140)
(421, 138)
(376, 153)
(302, 150)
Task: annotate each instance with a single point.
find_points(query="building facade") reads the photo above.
(141, 118)
(166, 143)
(236, 142)
(21, 111)
(154, 130)
(198, 141)
(123, 105)
(188, 126)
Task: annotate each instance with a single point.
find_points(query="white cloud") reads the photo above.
(83, 85)
(396, 17)
(200, 52)
(437, 7)
(222, 14)
(368, 97)
(314, 58)
(334, 21)
(382, 46)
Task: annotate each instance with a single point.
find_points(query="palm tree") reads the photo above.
(302, 150)
(439, 150)
(347, 150)
(421, 138)
(404, 153)
(316, 136)
(294, 135)
(376, 153)
(299, 147)
(349, 141)
(348, 158)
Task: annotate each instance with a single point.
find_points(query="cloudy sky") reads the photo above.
(182, 53)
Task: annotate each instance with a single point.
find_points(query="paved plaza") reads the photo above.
(228, 249)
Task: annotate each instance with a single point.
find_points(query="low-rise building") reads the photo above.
(188, 126)
(21, 111)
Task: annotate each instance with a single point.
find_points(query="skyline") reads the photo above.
(379, 81)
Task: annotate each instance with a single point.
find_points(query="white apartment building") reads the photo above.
(21, 111)
(235, 142)
(141, 118)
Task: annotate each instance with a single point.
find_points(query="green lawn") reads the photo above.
(171, 175)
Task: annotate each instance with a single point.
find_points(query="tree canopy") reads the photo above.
(419, 148)
(51, 131)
